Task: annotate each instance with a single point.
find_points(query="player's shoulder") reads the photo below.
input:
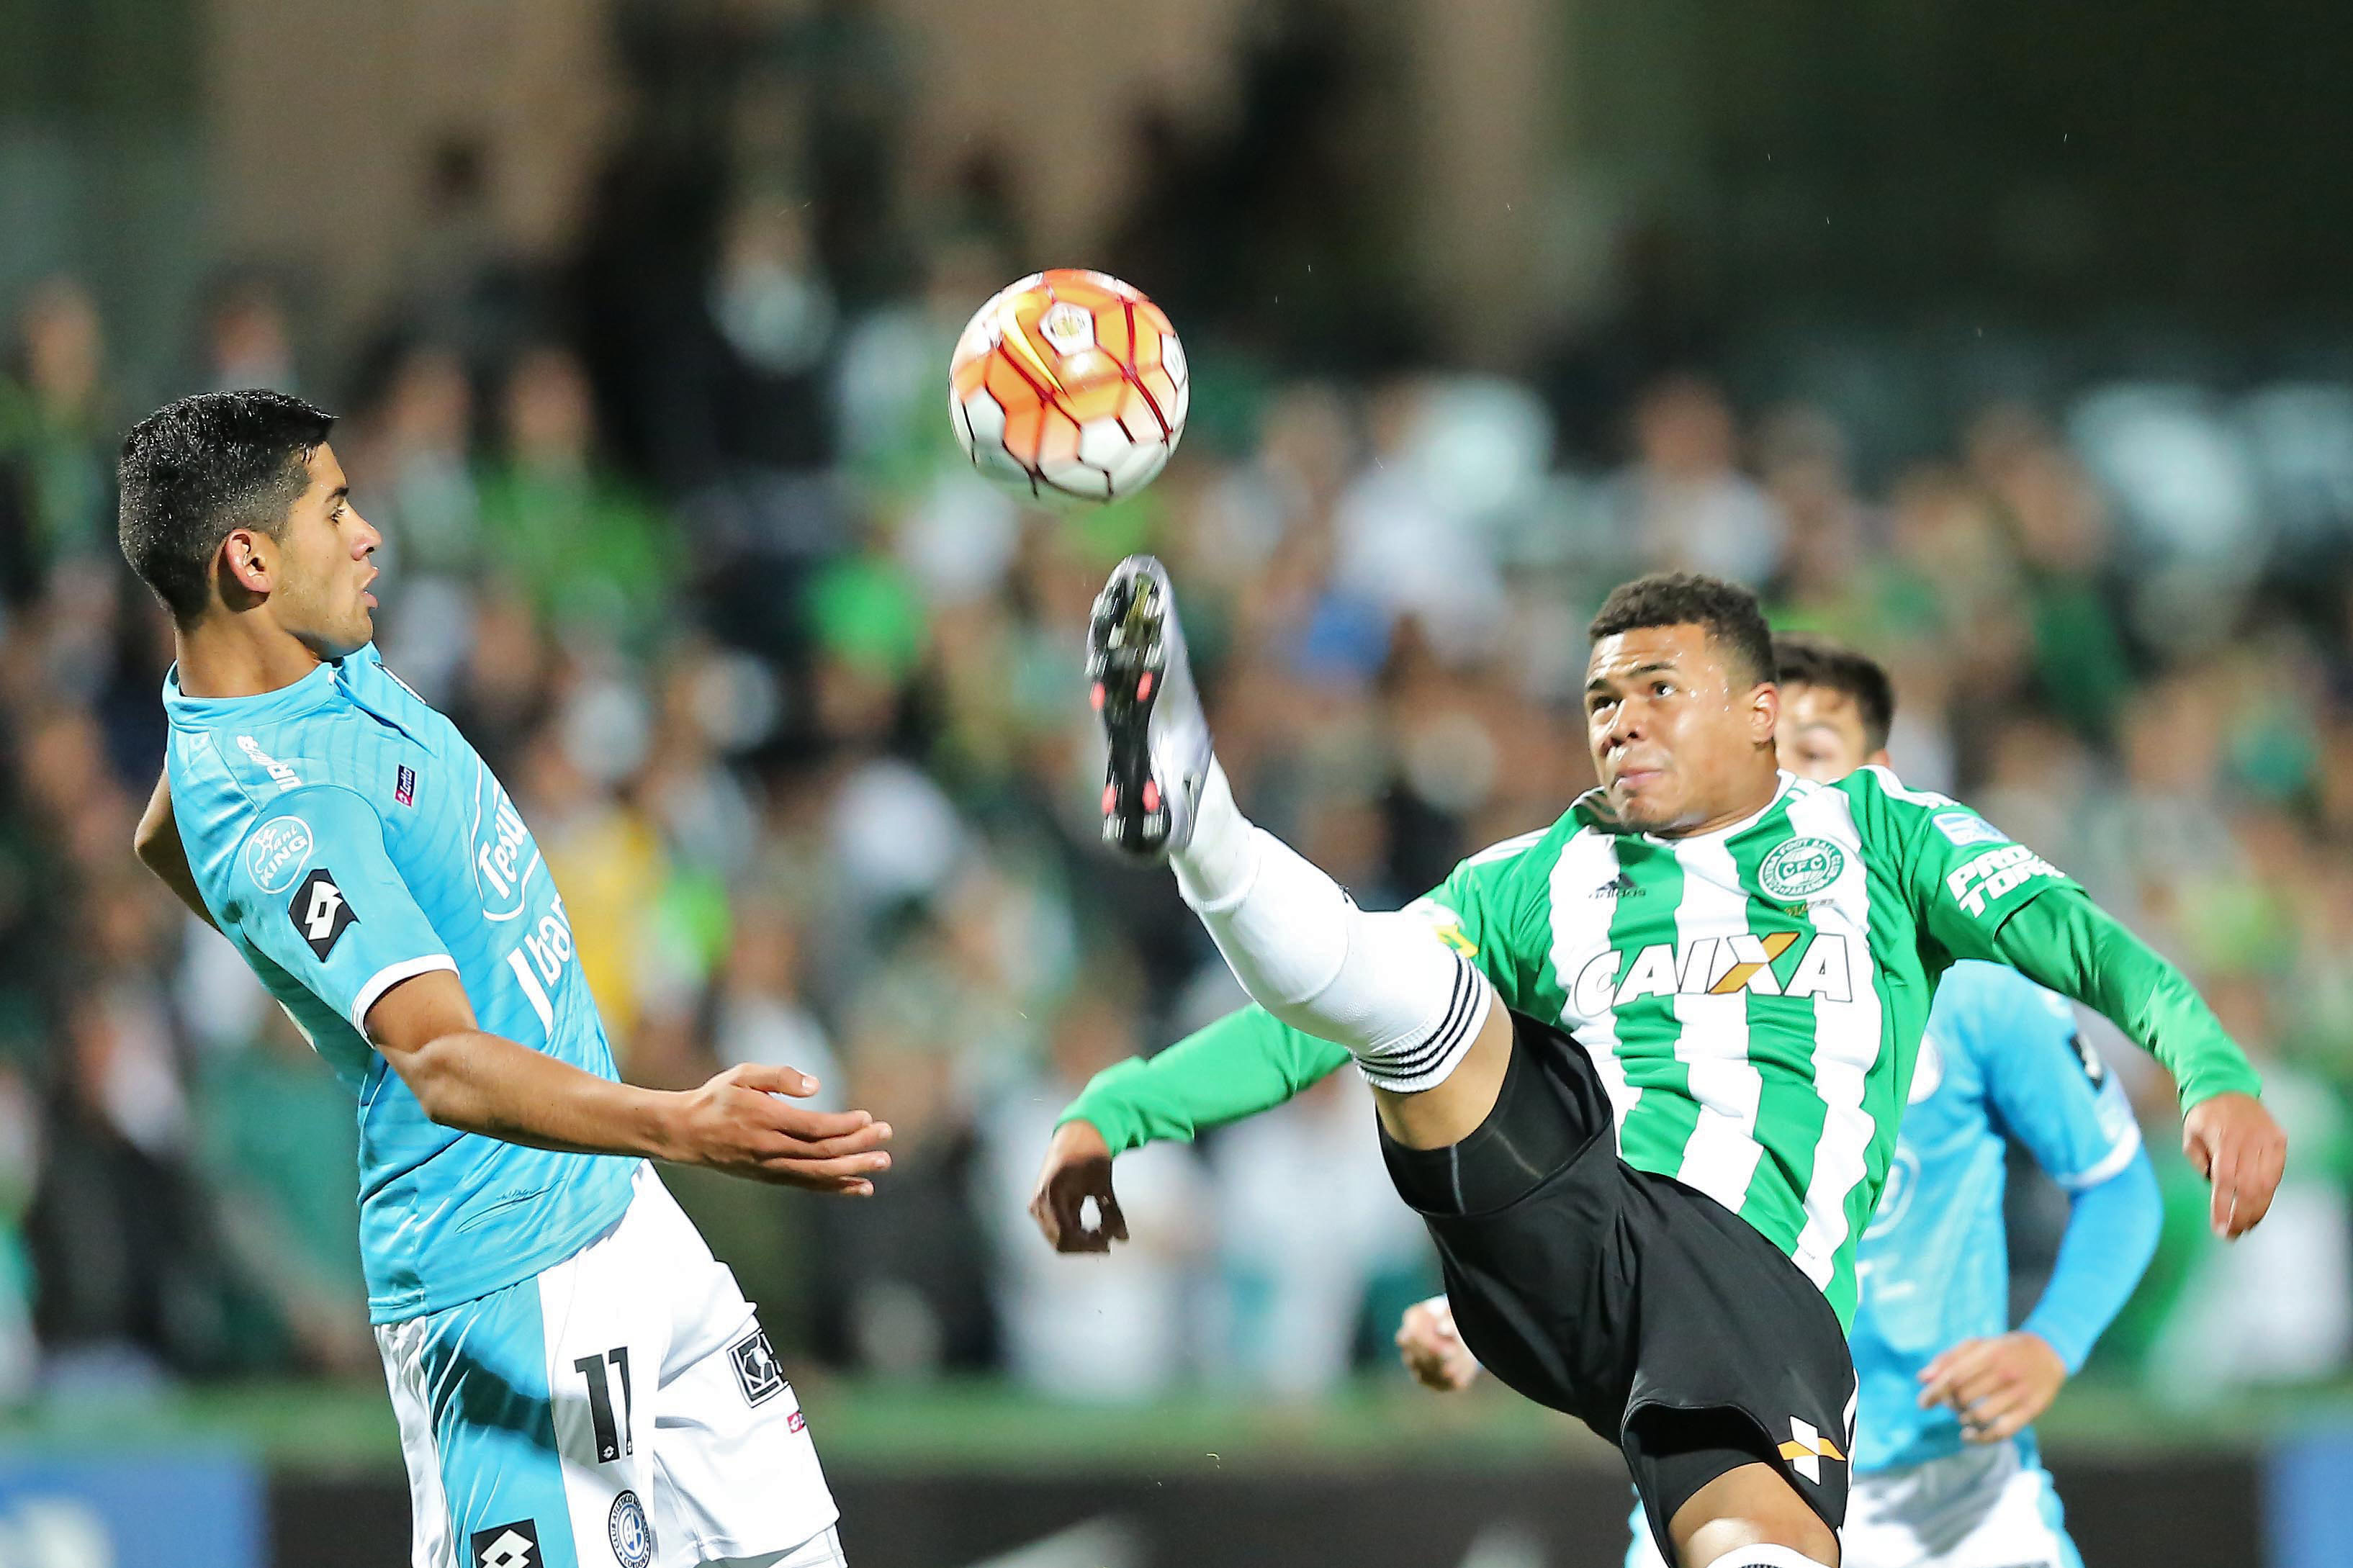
(1882, 801)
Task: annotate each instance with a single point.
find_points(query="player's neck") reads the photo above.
(1754, 796)
(239, 656)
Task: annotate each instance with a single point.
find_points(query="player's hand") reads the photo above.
(2236, 1145)
(1998, 1385)
(1431, 1348)
(1077, 1167)
(738, 1123)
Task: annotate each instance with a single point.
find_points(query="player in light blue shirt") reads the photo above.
(1946, 1470)
(577, 1381)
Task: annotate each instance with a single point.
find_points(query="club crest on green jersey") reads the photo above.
(1800, 866)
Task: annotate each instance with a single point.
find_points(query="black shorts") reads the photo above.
(1645, 1309)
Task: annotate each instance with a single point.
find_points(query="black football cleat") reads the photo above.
(1151, 711)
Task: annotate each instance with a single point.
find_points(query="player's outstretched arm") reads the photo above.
(157, 845)
(2066, 942)
(485, 1083)
(1244, 1063)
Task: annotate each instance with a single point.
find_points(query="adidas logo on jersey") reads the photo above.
(1717, 967)
(1623, 886)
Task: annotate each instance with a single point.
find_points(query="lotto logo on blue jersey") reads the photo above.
(321, 913)
(513, 1545)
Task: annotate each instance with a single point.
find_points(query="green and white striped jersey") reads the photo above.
(1753, 998)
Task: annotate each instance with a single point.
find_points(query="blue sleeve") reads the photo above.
(313, 888)
(2112, 1230)
(2048, 1088)
(2050, 1092)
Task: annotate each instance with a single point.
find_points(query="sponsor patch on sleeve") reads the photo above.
(1995, 873)
(276, 853)
(321, 913)
(1965, 827)
(756, 1369)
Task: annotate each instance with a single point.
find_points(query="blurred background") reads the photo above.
(2014, 345)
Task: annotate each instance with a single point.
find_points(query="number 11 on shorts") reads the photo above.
(612, 1441)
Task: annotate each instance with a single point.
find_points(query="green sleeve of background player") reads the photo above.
(1246, 1062)
(2069, 943)
(1979, 895)
(1251, 1061)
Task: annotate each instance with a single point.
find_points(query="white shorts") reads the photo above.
(623, 1409)
(1981, 1507)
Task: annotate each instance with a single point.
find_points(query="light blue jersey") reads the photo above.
(2001, 1060)
(346, 838)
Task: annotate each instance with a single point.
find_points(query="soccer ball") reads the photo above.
(1069, 383)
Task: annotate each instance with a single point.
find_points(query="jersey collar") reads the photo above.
(312, 692)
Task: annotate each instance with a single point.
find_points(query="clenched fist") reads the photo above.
(1077, 1167)
(1432, 1350)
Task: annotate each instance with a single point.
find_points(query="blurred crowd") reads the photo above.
(792, 700)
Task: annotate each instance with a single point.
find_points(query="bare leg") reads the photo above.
(1752, 1506)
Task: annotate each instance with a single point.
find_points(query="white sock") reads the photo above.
(1766, 1557)
(1405, 1005)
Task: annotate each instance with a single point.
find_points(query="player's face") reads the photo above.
(323, 596)
(1680, 743)
(1821, 734)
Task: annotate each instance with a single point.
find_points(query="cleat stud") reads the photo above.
(1096, 696)
(1151, 795)
(1144, 687)
(1111, 799)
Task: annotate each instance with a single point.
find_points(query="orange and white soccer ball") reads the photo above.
(1069, 383)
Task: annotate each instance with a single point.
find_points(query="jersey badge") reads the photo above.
(321, 913)
(275, 851)
(1807, 1448)
(1800, 866)
(755, 1366)
(404, 785)
(1966, 827)
(513, 1545)
(629, 1532)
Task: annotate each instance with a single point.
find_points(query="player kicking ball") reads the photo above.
(1945, 1471)
(577, 1381)
(1647, 1211)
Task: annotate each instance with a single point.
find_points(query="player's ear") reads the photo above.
(1764, 713)
(247, 567)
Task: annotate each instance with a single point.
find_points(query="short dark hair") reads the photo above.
(195, 470)
(1807, 659)
(1729, 611)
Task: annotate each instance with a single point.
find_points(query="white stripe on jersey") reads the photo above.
(1721, 1155)
(1580, 928)
(1847, 1037)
